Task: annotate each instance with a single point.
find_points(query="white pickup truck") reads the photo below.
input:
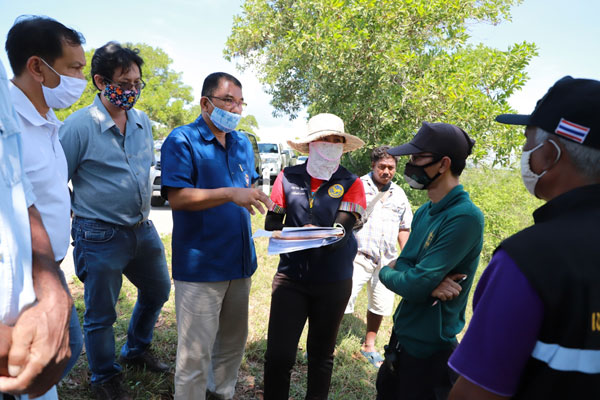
(272, 157)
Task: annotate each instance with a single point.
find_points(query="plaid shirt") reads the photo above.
(378, 238)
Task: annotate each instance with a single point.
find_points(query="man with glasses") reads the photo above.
(109, 152)
(435, 270)
(207, 175)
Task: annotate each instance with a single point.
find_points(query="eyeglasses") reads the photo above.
(229, 102)
(128, 86)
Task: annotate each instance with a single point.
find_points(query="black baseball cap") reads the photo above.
(438, 138)
(570, 109)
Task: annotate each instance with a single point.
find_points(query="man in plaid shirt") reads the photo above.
(388, 222)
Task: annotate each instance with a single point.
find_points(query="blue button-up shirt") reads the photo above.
(213, 244)
(110, 172)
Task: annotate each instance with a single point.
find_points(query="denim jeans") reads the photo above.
(103, 253)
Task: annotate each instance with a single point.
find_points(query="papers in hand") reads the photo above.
(302, 238)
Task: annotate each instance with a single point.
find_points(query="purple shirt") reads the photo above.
(507, 316)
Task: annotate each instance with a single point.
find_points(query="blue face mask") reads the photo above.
(225, 121)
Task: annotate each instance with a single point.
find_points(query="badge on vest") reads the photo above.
(336, 191)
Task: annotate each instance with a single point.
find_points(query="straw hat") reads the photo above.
(322, 125)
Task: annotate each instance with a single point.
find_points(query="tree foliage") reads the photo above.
(385, 66)
(166, 99)
(506, 204)
(248, 123)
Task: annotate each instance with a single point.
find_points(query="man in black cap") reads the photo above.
(535, 331)
(435, 270)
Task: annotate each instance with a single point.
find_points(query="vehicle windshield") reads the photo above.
(267, 148)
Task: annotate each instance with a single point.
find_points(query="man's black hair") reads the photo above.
(211, 82)
(112, 56)
(380, 152)
(33, 35)
(457, 166)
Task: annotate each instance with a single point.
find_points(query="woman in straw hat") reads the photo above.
(312, 284)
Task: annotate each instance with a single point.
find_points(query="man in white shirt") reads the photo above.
(34, 305)
(388, 222)
(47, 60)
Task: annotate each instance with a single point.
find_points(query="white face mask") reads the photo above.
(323, 159)
(68, 91)
(530, 178)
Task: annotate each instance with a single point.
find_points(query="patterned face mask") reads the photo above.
(124, 99)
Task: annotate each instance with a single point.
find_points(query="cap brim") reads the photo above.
(514, 119)
(404, 150)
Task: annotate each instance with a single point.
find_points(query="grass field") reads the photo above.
(353, 377)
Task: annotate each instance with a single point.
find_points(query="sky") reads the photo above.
(193, 33)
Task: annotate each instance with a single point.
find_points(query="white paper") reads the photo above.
(300, 238)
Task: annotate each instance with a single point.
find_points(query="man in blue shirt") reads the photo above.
(109, 152)
(207, 173)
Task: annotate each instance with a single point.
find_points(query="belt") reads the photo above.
(137, 224)
(134, 226)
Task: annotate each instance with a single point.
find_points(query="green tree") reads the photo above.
(385, 66)
(166, 99)
(248, 123)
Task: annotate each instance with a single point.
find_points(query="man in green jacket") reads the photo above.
(435, 270)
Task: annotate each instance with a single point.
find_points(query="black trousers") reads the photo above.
(405, 377)
(292, 303)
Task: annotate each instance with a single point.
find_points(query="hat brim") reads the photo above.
(404, 150)
(351, 142)
(514, 119)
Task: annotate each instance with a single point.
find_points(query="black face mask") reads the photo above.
(416, 177)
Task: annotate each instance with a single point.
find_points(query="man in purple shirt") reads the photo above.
(535, 331)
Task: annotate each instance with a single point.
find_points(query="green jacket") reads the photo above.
(446, 238)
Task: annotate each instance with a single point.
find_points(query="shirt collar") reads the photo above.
(207, 134)
(374, 185)
(447, 201)
(578, 199)
(103, 117)
(27, 110)
(205, 131)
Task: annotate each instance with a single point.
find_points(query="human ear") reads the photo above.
(551, 152)
(445, 164)
(33, 66)
(204, 103)
(99, 81)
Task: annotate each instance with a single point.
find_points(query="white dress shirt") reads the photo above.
(46, 168)
(16, 196)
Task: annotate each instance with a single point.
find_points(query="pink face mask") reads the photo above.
(323, 159)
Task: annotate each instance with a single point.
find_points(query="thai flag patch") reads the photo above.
(572, 131)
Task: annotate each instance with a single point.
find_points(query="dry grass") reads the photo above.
(353, 377)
